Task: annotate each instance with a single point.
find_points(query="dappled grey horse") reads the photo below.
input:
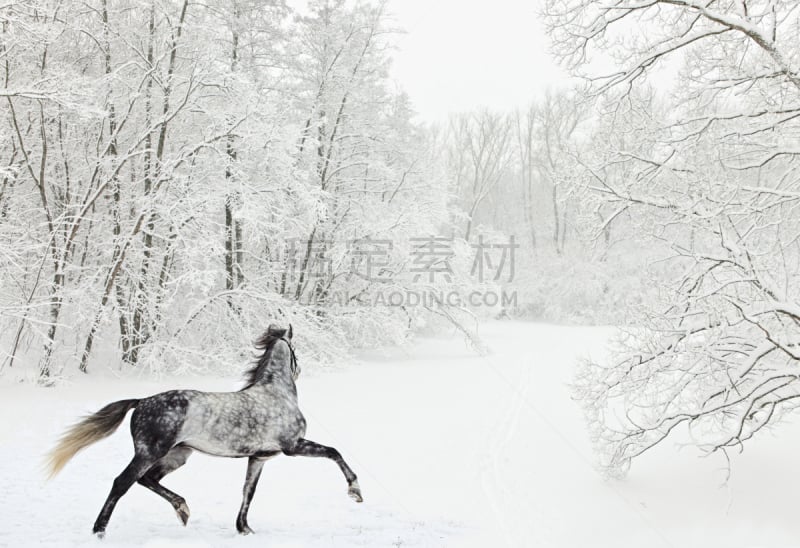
(258, 422)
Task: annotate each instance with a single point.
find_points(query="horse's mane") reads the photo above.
(265, 342)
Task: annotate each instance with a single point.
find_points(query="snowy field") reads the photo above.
(451, 449)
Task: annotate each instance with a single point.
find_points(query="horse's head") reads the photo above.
(278, 353)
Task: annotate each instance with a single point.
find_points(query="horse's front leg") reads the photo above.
(254, 466)
(307, 448)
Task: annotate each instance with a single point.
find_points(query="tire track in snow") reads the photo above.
(493, 480)
(519, 401)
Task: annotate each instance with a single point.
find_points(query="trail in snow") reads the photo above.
(451, 449)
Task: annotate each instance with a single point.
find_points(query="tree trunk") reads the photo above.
(556, 221)
(234, 276)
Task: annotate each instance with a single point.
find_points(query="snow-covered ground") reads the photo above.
(451, 449)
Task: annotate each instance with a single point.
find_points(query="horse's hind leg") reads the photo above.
(135, 470)
(168, 464)
(307, 448)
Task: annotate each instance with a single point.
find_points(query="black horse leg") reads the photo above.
(135, 470)
(168, 464)
(254, 466)
(306, 448)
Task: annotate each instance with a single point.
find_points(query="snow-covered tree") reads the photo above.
(707, 172)
(175, 175)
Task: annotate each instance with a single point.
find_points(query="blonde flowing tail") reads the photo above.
(88, 431)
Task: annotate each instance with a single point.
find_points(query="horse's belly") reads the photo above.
(227, 438)
(238, 427)
(222, 449)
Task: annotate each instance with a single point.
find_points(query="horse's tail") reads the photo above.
(88, 431)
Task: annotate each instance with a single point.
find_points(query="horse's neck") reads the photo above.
(276, 376)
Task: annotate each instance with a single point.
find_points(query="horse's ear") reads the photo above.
(272, 328)
(289, 333)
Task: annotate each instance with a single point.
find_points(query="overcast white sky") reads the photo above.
(459, 55)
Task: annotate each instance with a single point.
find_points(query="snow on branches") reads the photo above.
(175, 175)
(706, 168)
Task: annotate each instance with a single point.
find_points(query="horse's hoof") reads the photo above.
(183, 513)
(100, 534)
(245, 530)
(355, 492)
